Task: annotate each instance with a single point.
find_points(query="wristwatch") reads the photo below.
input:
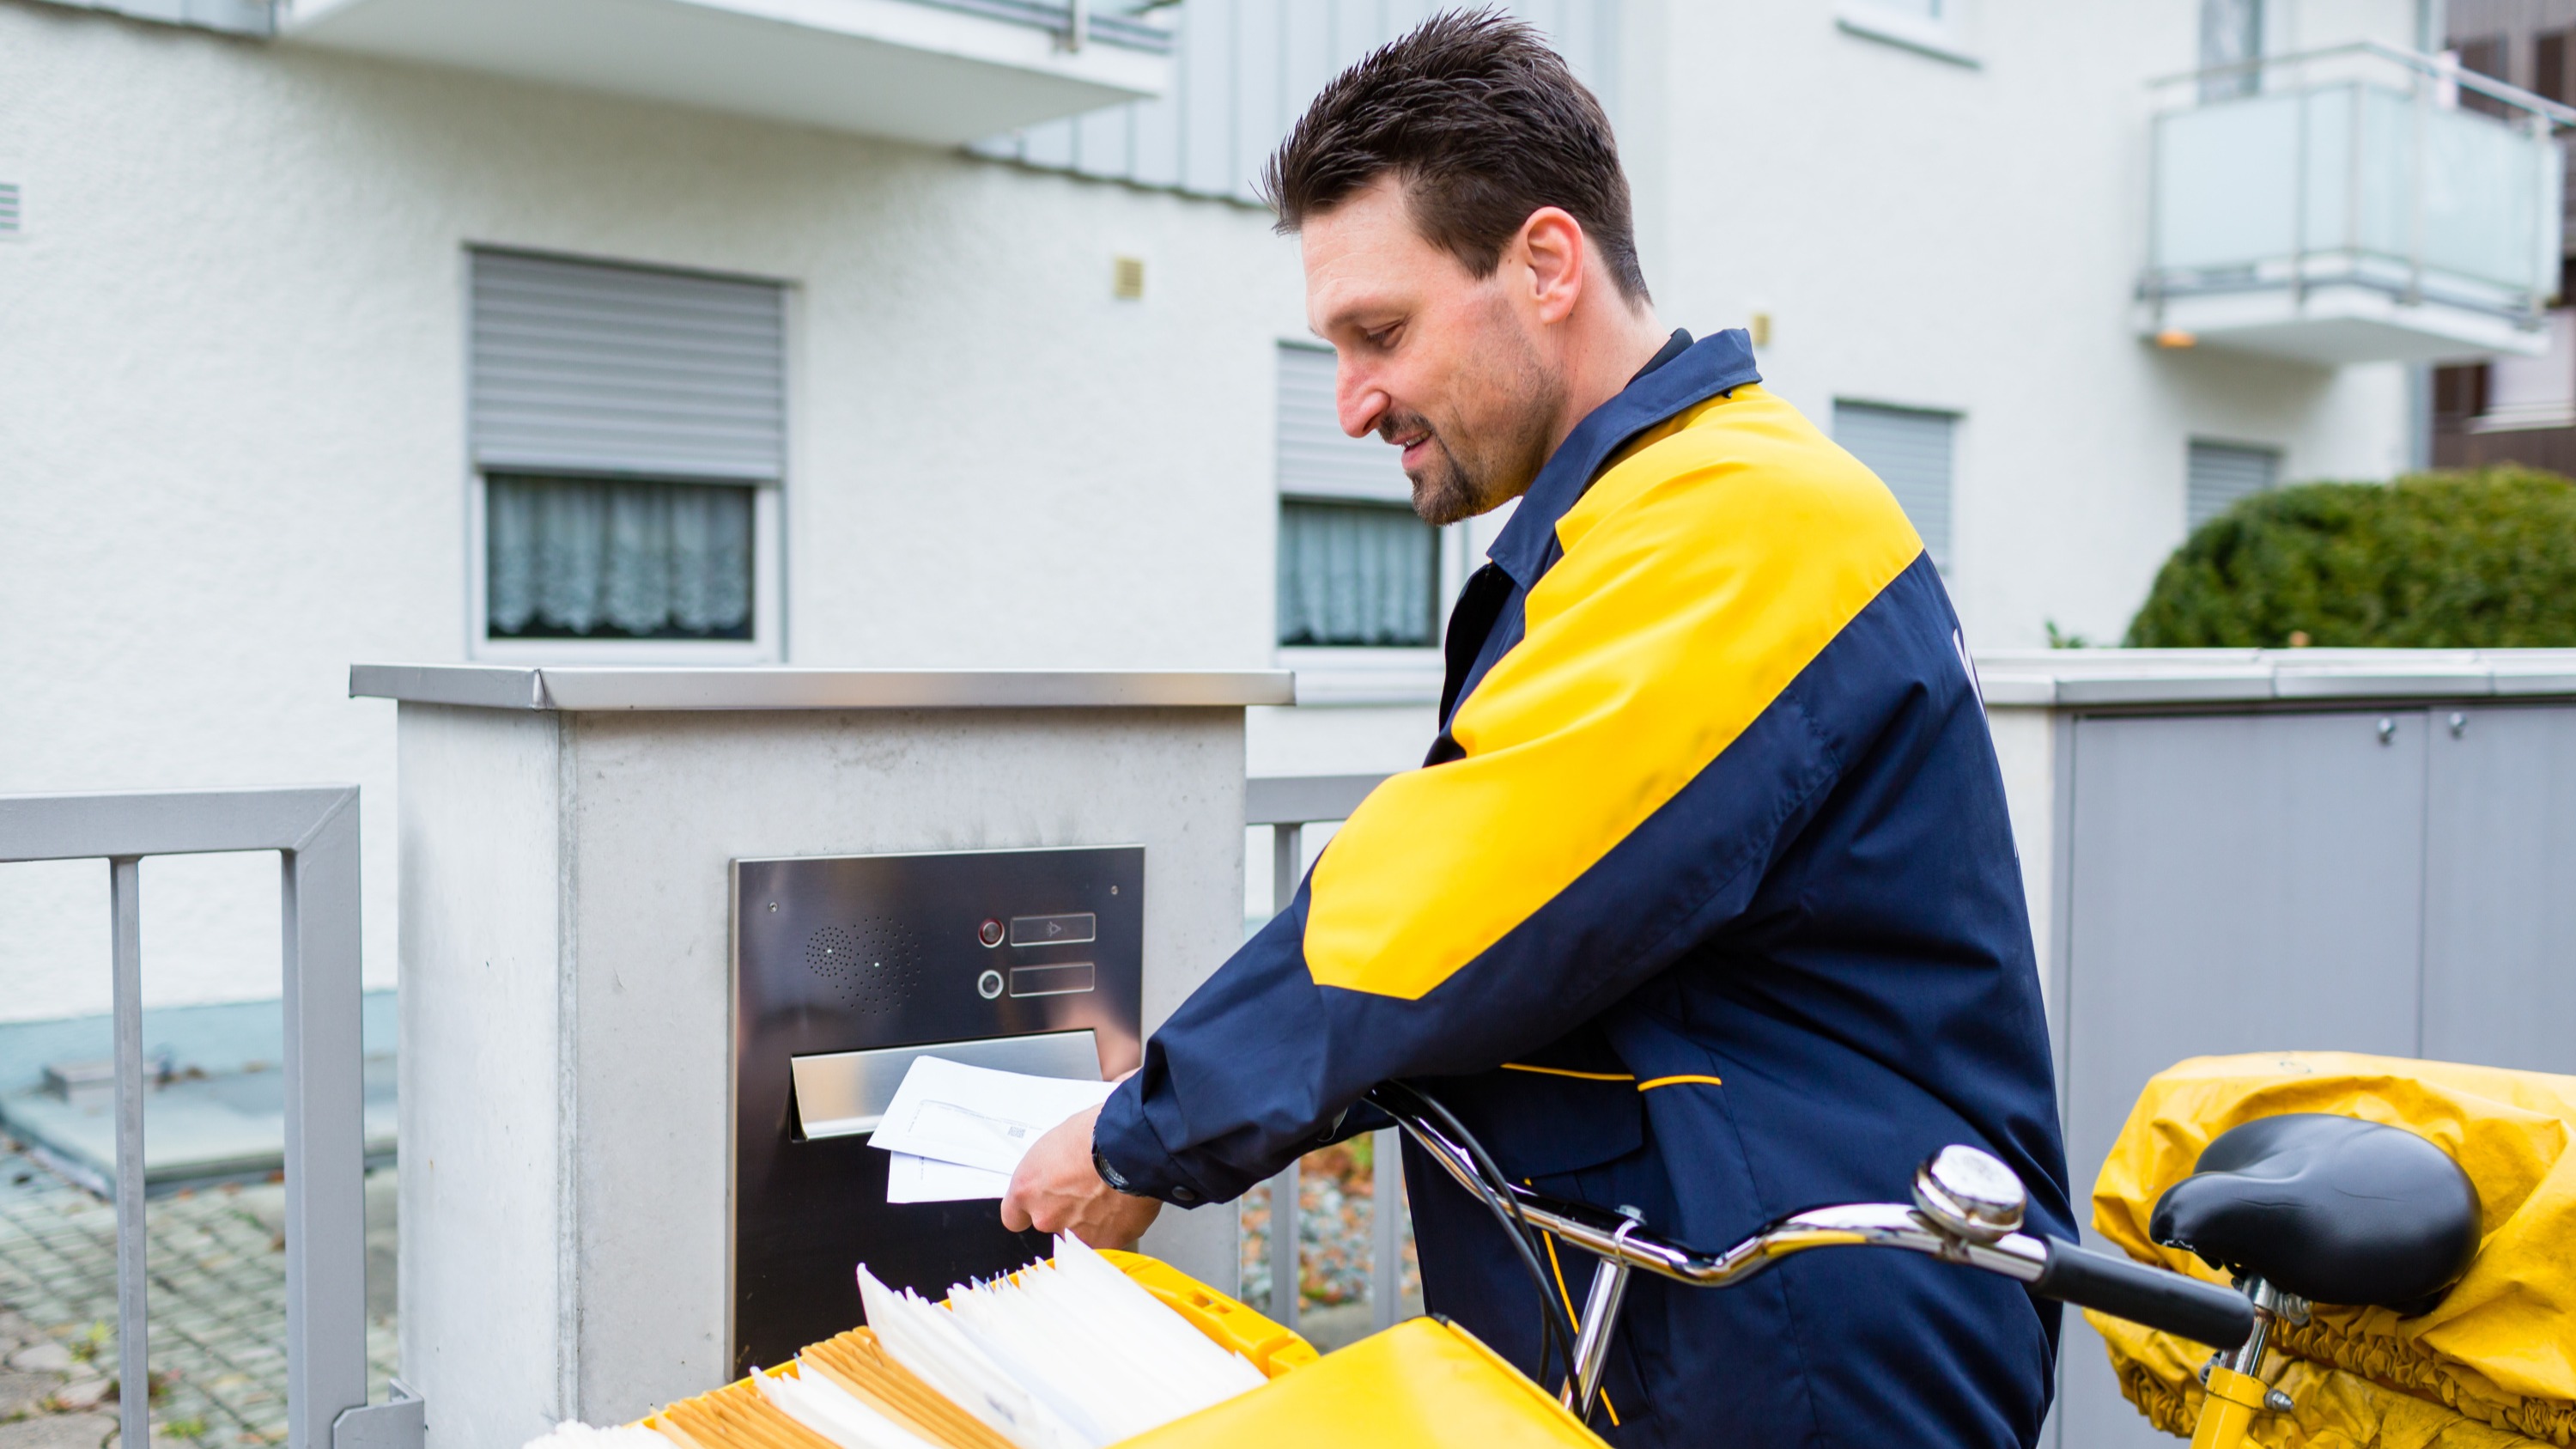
(1117, 1180)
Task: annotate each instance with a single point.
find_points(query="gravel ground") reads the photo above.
(1337, 1203)
(218, 1310)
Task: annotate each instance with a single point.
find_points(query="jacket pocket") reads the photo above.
(1545, 1122)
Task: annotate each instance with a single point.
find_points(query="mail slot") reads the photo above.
(842, 1094)
(846, 970)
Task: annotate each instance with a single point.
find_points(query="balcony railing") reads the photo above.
(938, 72)
(2345, 205)
(1288, 804)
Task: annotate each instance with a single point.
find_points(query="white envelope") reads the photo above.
(927, 1179)
(975, 1116)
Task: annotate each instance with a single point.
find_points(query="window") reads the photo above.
(2490, 56)
(2459, 396)
(2549, 65)
(628, 434)
(1363, 574)
(584, 558)
(2231, 34)
(1910, 449)
(2221, 473)
(1357, 568)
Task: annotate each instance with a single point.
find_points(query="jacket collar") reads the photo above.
(1711, 366)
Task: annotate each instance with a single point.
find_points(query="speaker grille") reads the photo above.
(871, 963)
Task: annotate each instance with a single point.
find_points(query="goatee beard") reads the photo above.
(1449, 490)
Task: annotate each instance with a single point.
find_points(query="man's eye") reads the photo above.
(1382, 338)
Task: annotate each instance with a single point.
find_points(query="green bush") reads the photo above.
(2435, 561)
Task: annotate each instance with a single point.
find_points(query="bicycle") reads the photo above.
(2271, 1201)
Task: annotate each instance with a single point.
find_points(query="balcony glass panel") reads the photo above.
(2355, 182)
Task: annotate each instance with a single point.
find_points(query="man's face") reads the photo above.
(1445, 365)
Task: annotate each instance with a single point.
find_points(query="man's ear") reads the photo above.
(1551, 250)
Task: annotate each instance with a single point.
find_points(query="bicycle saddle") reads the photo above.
(2333, 1209)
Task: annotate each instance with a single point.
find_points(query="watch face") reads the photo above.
(1110, 1175)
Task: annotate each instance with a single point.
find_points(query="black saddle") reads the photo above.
(2333, 1209)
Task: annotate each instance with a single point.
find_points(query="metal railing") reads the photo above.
(315, 831)
(1288, 804)
(1075, 22)
(2352, 166)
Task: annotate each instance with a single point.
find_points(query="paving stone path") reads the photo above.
(218, 1311)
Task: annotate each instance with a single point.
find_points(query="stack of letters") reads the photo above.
(1070, 1354)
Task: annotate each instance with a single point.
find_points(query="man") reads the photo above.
(1705, 901)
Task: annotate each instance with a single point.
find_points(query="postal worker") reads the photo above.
(1705, 900)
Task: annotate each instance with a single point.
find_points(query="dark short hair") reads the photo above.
(1484, 125)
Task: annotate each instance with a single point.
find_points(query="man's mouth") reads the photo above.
(1414, 447)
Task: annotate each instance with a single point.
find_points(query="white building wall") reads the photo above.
(233, 436)
(1967, 236)
(232, 454)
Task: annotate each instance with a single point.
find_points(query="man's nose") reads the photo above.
(1358, 401)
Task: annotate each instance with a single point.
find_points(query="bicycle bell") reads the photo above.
(1969, 1194)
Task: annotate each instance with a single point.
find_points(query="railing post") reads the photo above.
(326, 1245)
(1287, 863)
(2306, 97)
(1287, 1277)
(1287, 804)
(1287, 1264)
(2418, 139)
(1386, 1237)
(2155, 218)
(2552, 224)
(133, 1251)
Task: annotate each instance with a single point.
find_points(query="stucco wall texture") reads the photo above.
(232, 365)
(234, 428)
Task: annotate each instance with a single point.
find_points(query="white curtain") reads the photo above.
(577, 557)
(1357, 573)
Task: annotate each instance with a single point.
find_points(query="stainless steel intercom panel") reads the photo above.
(846, 968)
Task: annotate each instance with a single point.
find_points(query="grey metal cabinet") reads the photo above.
(2369, 850)
(2500, 888)
(2234, 883)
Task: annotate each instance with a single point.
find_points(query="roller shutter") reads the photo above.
(1911, 451)
(580, 368)
(1316, 460)
(2221, 473)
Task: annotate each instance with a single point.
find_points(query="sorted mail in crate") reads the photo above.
(1095, 1349)
(1085, 1350)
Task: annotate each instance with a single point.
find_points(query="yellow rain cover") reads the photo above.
(2499, 1350)
(1419, 1385)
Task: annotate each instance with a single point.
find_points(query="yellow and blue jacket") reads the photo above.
(1705, 903)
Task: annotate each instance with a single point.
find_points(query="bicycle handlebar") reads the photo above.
(2053, 1268)
(2184, 1307)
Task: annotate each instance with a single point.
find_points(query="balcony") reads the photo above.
(938, 72)
(2361, 204)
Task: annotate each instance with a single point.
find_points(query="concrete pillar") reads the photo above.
(566, 967)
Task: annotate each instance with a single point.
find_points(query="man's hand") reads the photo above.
(1056, 1190)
